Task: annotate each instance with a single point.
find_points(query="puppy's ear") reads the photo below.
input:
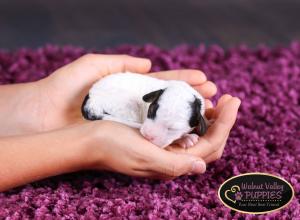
(152, 96)
(196, 119)
(202, 127)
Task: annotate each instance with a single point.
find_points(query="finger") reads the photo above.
(108, 64)
(207, 89)
(122, 63)
(141, 173)
(192, 77)
(145, 173)
(218, 154)
(208, 104)
(150, 174)
(214, 138)
(211, 112)
(172, 164)
(222, 101)
(212, 141)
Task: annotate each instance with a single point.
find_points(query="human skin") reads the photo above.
(43, 134)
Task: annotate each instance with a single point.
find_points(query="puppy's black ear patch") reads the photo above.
(152, 96)
(202, 127)
(85, 113)
(152, 110)
(196, 113)
(196, 119)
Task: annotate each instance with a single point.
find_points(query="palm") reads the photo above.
(224, 115)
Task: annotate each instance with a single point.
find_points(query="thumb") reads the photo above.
(177, 164)
(101, 64)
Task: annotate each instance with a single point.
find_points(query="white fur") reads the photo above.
(121, 94)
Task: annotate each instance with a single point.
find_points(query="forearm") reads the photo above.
(25, 159)
(19, 108)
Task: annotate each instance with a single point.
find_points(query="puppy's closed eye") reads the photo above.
(172, 129)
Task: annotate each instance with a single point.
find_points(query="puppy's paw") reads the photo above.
(187, 140)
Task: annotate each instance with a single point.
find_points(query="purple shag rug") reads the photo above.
(265, 138)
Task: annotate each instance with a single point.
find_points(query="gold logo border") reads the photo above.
(257, 173)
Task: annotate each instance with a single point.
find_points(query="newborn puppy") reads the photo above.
(164, 111)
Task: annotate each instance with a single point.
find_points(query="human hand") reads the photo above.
(142, 158)
(88, 145)
(210, 147)
(119, 148)
(62, 93)
(94, 145)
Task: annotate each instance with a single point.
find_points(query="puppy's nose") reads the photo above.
(148, 137)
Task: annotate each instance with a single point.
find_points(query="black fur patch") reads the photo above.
(196, 112)
(105, 113)
(86, 114)
(153, 97)
(153, 109)
(197, 119)
(94, 117)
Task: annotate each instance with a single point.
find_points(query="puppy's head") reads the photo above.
(173, 112)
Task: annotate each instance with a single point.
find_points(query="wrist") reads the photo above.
(91, 154)
(19, 108)
(42, 155)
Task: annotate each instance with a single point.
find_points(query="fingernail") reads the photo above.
(239, 100)
(198, 166)
(146, 60)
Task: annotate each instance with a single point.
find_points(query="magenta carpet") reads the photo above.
(265, 138)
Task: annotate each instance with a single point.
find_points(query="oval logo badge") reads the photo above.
(256, 193)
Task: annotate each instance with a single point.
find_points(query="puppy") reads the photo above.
(164, 110)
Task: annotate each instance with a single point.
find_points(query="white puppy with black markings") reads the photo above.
(164, 110)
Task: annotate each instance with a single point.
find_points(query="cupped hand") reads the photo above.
(61, 94)
(119, 148)
(122, 149)
(210, 147)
